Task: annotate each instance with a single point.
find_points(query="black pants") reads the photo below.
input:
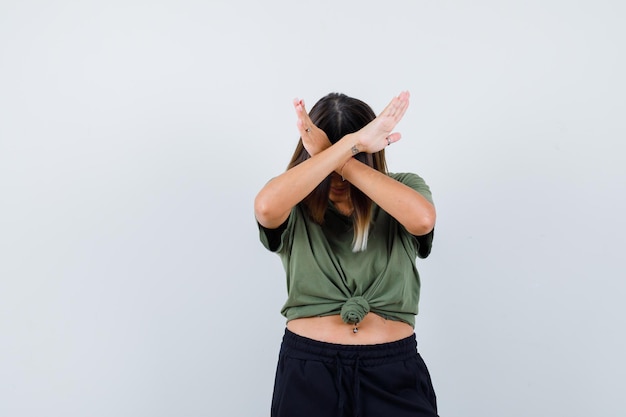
(319, 379)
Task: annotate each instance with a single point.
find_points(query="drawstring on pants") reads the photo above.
(339, 390)
(356, 390)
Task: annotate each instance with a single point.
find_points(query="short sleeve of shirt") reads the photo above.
(277, 240)
(415, 182)
(424, 242)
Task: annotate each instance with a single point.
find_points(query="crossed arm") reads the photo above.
(276, 199)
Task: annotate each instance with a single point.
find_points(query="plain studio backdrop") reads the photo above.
(134, 136)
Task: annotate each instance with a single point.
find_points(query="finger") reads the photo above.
(305, 114)
(298, 105)
(398, 109)
(296, 102)
(302, 113)
(401, 109)
(400, 106)
(395, 104)
(403, 101)
(303, 121)
(302, 129)
(394, 137)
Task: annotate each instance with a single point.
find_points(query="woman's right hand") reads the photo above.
(377, 134)
(314, 139)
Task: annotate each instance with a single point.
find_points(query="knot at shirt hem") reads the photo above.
(354, 310)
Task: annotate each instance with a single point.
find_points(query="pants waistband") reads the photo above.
(305, 348)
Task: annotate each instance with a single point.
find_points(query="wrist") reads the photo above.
(352, 147)
(355, 144)
(343, 166)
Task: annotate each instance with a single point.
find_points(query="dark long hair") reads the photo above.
(338, 115)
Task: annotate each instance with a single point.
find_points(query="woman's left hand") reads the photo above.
(314, 139)
(377, 134)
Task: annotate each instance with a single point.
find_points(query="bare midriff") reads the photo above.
(373, 329)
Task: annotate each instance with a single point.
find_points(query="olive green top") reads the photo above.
(324, 276)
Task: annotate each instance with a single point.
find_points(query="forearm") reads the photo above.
(276, 199)
(402, 202)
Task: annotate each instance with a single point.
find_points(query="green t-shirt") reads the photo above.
(324, 276)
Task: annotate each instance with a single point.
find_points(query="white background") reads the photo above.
(134, 136)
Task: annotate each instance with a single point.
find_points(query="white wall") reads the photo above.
(133, 139)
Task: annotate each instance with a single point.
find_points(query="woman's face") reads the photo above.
(339, 189)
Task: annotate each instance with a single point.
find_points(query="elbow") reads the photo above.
(262, 209)
(422, 224)
(267, 213)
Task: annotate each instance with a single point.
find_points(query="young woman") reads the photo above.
(348, 234)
